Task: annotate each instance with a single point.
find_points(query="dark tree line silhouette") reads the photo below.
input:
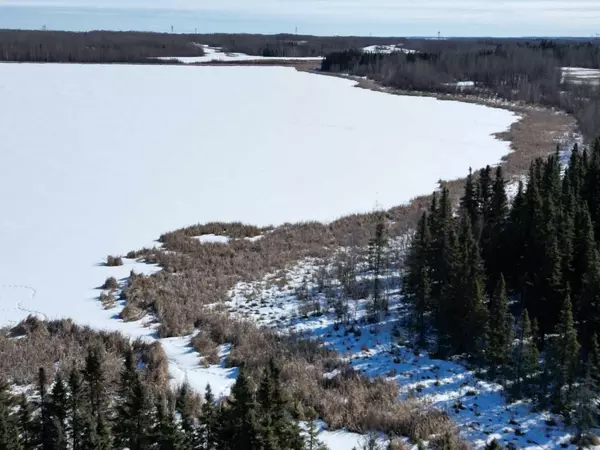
(93, 47)
(107, 46)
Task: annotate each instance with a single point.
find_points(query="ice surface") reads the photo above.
(102, 159)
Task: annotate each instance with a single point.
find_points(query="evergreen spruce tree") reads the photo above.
(564, 357)
(76, 406)
(445, 259)
(574, 172)
(10, 438)
(95, 379)
(376, 262)
(125, 420)
(485, 183)
(591, 188)
(494, 231)
(549, 281)
(45, 417)
(594, 360)
(166, 434)
(465, 311)
(534, 244)
(499, 330)
(96, 431)
(5, 396)
(187, 406)
(209, 425)
(26, 425)
(241, 426)
(90, 438)
(586, 410)
(525, 359)
(469, 203)
(9, 433)
(566, 242)
(417, 280)
(140, 405)
(277, 428)
(514, 268)
(58, 410)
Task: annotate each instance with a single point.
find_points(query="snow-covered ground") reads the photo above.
(461, 84)
(212, 54)
(580, 75)
(212, 239)
(477, 406)
(387, 49)
(102, 159)
(338, 439)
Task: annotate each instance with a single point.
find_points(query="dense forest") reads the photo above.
(515, 286)
(528, 71)
(291, 45)
(93, 47)
(82, 410)
(109, 46)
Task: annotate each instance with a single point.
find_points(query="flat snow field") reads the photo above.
(101, 159)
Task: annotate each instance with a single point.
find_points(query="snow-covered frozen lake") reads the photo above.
(101, 159)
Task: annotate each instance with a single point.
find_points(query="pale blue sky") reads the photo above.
(379, 17)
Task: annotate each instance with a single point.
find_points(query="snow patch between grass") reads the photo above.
(212, 239)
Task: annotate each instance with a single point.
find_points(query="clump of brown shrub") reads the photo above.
(131, 313)
(60, 345)
(113, 261)
(107, 299)
(110, 283)
(449, 439)
(208, 349)
(586, 440)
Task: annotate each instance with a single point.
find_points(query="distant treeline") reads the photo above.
(107, 46)
(509, 69)
(93, 47)
(291, 45)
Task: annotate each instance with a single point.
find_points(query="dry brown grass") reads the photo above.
(107, 299)
(61, 345)
(348, 399)
(197, 274)
(110, 283)
(112, 261)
